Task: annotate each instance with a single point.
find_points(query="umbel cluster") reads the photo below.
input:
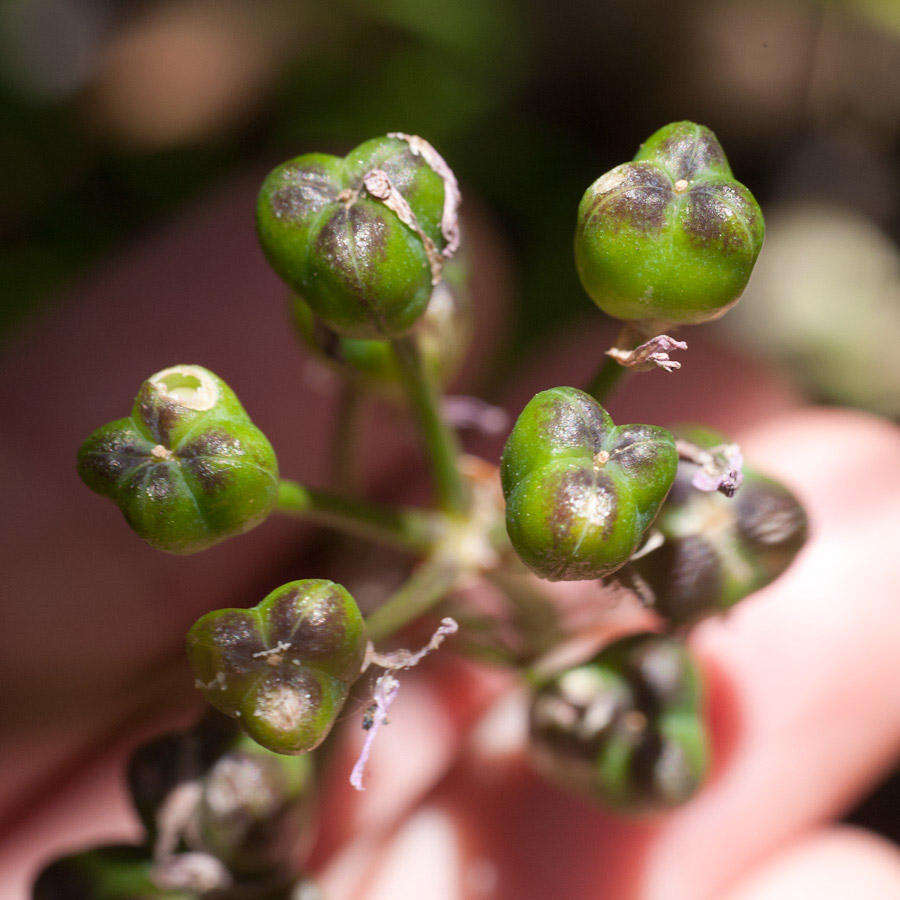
(368, 246)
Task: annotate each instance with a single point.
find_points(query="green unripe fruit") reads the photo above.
(361, 239)
(115, 872)
(187, 468)
(251, 806)
(284, 668)
(672, 236)
(718, 550)
(580, 492)
(444, 332)
(626, 726)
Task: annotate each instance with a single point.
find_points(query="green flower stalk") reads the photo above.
(671, 237)
(187, 468)
(717, 550)
(362, 239)
(581, 492)
(284, 668)
(626, 726)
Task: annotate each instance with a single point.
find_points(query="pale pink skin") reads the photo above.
(804, 701)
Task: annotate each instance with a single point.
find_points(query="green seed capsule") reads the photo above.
(116, 872)
(444, 332)
(187, 468)
(672, 236)
(719, 550)
(284, 668)
(625, 726)
(361, 239)
(252, 807)
(580, 492)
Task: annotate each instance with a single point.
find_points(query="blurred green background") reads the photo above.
(115, 114)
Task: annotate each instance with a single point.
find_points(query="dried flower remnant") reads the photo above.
(719, 468)
(650, 355)
(387, 687)
(452, 197)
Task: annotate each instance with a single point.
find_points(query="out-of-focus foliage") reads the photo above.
(114, 115)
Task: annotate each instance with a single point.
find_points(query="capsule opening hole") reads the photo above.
(188, 386)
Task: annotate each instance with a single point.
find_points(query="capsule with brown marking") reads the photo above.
(717, 550)
(580, 491)
(284, 668)
(362, 239)
(670, 237)
(187, 468)
(625, 726)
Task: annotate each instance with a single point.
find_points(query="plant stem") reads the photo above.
(409, 529)
(605, 379)
(440, 441)
(343, 448)
(425, 588)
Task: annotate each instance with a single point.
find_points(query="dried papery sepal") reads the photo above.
(719, 468)
(634, 350)
(386, 688)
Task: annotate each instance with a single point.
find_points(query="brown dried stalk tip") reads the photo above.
(650, 355)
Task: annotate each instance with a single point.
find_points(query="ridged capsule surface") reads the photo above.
(580, 491)
(671, 236)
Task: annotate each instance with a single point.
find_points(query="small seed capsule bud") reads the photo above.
(187, 468)
(362, 239)
(718, 550)
(580, 492)
(444, 332)
(248, 807)
(625, 726)
(672, 236)
(284, 668)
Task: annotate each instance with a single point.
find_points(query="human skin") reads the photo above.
(804, 704)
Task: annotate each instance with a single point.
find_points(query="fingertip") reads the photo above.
(831, 864)
(436, 706)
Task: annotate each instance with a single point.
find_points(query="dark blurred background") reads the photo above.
(115, 115)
